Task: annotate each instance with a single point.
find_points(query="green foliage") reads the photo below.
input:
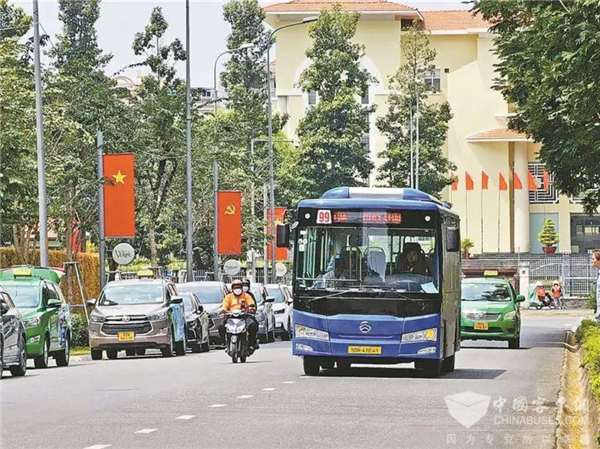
(549, 65)
(331, 132)
(408, 88)
(80, 335)
(466, 245)
(588, 334)
(548, 236)
(592, 304)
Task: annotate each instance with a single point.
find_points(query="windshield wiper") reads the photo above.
(318, 298)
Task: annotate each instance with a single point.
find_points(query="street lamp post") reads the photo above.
(216, 163)
(189, 247)
(270, 141)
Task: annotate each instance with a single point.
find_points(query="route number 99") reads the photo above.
(324, 217)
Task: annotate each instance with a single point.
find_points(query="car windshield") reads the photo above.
(132, 294)
(207, 294)
(188, 305)
(276, 293)
(25, 296)
(485, 292)
(342, 258)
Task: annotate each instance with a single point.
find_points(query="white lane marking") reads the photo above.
(269, 389)
(186, 417)
(98, 446)
(146, 431)
(218, 405)
(245, 396)
(289, 382)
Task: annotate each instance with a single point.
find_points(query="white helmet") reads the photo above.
(538, 284)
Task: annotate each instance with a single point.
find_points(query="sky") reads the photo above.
(121, 19)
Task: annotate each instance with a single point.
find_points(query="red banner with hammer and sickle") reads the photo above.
(230, 222)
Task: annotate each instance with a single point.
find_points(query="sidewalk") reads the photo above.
(584, 313)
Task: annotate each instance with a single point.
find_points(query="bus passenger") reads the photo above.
(412, 260)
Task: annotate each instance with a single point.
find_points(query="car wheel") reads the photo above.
(271, 336)
(180, 347)
(42, 361)
(1, 356)
(290, 329)
(140, 351)
(449, 363)
(262, 338)
(130, 352)
(168, 350)
(311, 366)
(96, 354)
(285, 335)
(64, 357)
(112, 354)
(514, 343)
(21, 368)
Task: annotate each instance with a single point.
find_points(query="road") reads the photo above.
(203, 400)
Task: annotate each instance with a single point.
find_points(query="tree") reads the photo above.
(549, 64)
(548, 236)
(18, 192)
(332, 130)
(408, 89)
(160, 109)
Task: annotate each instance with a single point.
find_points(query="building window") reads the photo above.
(434, 79)
(365, 141)
(545, 193)
(312, 98)
(365, 100)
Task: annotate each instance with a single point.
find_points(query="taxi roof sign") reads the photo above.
(29, 271)
(25, 271)
(490, 273)
(145, 274)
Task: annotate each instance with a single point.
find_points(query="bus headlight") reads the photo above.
(424, 335)
(310, 333)
(510, 315)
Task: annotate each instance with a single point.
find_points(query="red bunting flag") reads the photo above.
(518, 185)
(531, 182)
(485, 179)
(469, 184)
(503, 184)
(454, 182)
(119, 195)
(546, 180)
(230, 222)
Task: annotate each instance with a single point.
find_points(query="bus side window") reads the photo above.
(452, 240)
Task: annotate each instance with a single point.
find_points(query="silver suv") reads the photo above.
(136, 315)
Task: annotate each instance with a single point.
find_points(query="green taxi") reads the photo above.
(45, 313)
(490, 311)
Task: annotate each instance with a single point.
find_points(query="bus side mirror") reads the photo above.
(453, 240)
(283, 236)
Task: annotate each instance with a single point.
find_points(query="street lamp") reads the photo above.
(189, 248)
(270, 140)
(216, 163)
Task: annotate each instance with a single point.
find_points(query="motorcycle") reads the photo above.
(236, 336)
(547, 301)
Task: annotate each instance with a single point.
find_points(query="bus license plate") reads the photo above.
(481, 326)
(364, 350)
(126, 336)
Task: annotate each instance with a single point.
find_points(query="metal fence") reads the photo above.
(573, 271)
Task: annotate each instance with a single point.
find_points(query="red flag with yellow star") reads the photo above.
(119, 195)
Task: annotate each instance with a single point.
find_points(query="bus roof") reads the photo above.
(376, 199)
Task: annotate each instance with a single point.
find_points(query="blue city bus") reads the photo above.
(376, 279)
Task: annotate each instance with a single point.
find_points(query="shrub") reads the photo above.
(548, 236)
(589, 336)
(80, 336)
(592, 299)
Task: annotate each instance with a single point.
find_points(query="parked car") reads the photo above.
(196, 323)
(13, 348)
(136, 315)
(283, 299)
(490, 311)
(264, 313)
(46, 315)
(210, 294)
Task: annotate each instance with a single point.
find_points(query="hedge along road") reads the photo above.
(203, 400)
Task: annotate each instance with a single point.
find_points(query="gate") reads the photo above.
(574, 272)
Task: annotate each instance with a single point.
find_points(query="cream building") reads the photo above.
(496, 220)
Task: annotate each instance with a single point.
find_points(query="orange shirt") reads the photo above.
(556, 292)
(232, 302)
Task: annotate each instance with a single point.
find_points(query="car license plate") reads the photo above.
(126, 336)
(481, 326)
(364, 349)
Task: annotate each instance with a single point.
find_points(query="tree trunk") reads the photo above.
(153, 250)
(69, 244)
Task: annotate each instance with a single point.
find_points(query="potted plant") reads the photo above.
(548, 237)
(466, 245)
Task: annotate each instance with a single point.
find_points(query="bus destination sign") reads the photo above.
(368, 217)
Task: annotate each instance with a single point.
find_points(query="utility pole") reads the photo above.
(412, 155)
(189, 246)
(102, 239)
(43, 212)
(417, 146)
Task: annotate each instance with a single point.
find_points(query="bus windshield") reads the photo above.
(342, 258)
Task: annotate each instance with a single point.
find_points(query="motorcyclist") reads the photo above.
(246, 289)
(238, 300)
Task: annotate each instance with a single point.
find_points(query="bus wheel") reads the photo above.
(448, 364)
(432, 368)
(343, 366)
(312, 367)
